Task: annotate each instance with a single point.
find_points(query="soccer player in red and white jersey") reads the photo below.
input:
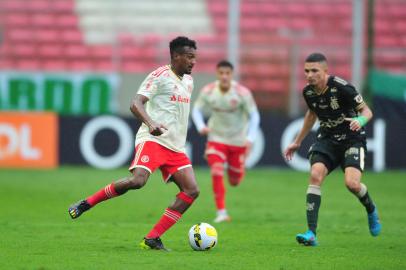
(231, 129)
(162, 103)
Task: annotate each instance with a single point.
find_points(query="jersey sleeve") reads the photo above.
(201, 101)
(249, 103)
(352, 97)
(306, 95)
(149, 86)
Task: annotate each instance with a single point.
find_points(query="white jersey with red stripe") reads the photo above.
(168, 104)
(229, 112)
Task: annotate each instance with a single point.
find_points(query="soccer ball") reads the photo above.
(202, 236)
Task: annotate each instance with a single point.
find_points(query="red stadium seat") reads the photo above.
(46, 35)
(67, 21)
(54, 65)
(16, 35)
(63, 6)
(51, 51)
(27, 64)
(77, 52)
(71, 36)
(38, 6)
(16, 20)
(24, 51)
(43, 20)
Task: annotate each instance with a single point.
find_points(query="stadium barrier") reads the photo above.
(44, 140)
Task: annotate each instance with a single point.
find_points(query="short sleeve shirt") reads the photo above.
(338, 101)
(229, 112)
(169, 104)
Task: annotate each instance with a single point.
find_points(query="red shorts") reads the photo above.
(233, 155)
(151, 155)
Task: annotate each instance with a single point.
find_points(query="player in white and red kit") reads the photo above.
(162, 104)
(231, 130)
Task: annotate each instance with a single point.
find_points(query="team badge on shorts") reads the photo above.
(144, 159)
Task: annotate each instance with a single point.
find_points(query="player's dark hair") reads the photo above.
(315, 58)
(225, 63)
(177, 45)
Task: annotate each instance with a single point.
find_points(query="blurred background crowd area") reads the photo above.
(126, 39)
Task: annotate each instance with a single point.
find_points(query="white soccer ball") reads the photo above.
(202, 236)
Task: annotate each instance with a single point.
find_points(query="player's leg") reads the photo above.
(216, 156)
(146, 160)
(236, 165)
(216, 165)
(320, 166)
(189, 191)
(353, 167)
(135, 181)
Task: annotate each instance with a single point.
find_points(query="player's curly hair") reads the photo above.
(177, 45)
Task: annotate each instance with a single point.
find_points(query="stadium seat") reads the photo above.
(81, 35)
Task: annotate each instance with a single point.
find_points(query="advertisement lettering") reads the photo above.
(28, 140)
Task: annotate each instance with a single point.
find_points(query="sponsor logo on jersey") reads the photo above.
(340, 137)
(309, 92)
(180, 99)
(330, 123)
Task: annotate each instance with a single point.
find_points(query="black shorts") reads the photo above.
(332, 154)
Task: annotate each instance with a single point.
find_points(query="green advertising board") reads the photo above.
(388, 85)
(64, 93)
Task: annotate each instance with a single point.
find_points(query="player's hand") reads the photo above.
(290, 150)
(156, 129)
(248, 148)
(355, 125)
(204, 131)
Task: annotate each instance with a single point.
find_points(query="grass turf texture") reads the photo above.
(268, 210)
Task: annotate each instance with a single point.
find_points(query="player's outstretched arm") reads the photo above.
(138, 109)
(198, 120)
(358, 122)
(309, 120)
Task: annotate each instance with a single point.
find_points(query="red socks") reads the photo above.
(169, 218)
(219, 191)
(105, 193)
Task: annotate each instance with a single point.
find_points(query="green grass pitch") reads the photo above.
(268, 210)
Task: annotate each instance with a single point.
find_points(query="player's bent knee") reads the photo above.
(193, 192)
(137, 180)
(316, 177)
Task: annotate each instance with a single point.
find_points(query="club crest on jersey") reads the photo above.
(233, 102)
(334, 103)
(180, 99)
(144, 159)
